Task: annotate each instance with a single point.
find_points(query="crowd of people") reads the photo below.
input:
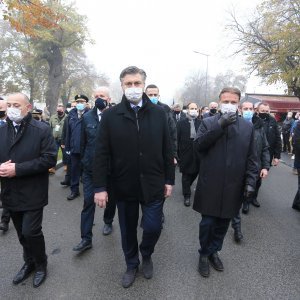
(125, 155)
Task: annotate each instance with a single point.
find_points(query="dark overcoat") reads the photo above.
(228, 163)
(33, 150)
(188, 157)
(137, 150)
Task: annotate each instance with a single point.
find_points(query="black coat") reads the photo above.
(33, 150)
(89, 127)
(137, 151)
(188, 158)
(273, 137)
(228, 163)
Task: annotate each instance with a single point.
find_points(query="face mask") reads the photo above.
(228, 107)
(193, 113)
(184, 111)
(177, 112)
(290, 115)
(213, 110)
(154, 100)
(80, 106)
(134, 95)
(247, 115)
(36, 118)
(2, 114)
(60, 113)
(14, 114)
(100, 103)
(263, 115)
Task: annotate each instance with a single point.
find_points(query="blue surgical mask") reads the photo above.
(80, 106)
(154, 100)
(247, 115)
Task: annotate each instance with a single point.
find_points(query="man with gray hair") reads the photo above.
(177, 113)
(134, 155)
(28, 150)
(213, 109)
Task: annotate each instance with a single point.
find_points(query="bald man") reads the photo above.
(28, 150)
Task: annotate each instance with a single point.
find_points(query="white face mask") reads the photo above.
(184, 111)
(134, 95)
(193, 113)
(14, 114)
(228, 107)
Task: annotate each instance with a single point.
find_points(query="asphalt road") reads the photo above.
(265, 265)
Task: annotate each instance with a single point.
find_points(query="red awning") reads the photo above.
(283, 106)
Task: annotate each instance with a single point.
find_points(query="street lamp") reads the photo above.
(207, 55)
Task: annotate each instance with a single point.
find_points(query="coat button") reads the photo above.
(141, 154)
(142, 175)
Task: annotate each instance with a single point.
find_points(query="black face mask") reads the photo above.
(2, 114)
(264, 116)
(36, 118)
(100, 103)
(213, 110)
(177, 112)
(60, 113)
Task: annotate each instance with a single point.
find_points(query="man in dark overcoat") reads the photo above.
(28, 150)
(228, 168)
(133, 143)
(188, 158)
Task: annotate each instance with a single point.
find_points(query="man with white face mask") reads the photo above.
(28, 150)
(188, 159)
(133, 145)
(228, 169)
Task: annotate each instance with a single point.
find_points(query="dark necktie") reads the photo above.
(17, 127)
(136, 109)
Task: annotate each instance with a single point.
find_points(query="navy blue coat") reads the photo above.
(228, 163)
(89, 127)
(72, 141)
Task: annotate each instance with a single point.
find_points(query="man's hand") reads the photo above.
(63, 146)
(227, 119)
(263, 173)
(101, 199)
(168, 190)
(175, 161)
(8, 169)
(275, 162)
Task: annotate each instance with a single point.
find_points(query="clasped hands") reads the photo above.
(8, 169)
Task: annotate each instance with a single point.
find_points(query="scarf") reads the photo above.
(192, 126)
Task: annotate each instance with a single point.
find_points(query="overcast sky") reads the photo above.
(160, 37)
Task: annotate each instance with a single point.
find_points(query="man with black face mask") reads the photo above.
(57, 123)
(213, 109)
(89, 126)
(272, 133)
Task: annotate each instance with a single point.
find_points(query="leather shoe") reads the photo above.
(216, 262)
(255, 203)
(83, 245)
(23, 273)
(203, 266)
(129, 277)
(147, 268)
(107, 229)
(66, 183)
(245, 207)
(4, 226)
(238, 236)
(72, 196)
(39, 277)
(187, 201)
(296, 207)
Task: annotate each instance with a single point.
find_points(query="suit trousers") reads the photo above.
(75, 172)
(110, 211)
(5, 217)
(212, 231)
(28, 225)
(152, 221)
(187, 180)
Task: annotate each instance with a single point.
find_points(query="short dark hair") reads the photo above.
(188, 106)
(231, 90)
(133, 70)
(151, 86)
(262, 103)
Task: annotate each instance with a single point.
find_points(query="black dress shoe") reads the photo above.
(245, 207)
(216, 262)
(107, 229)
(39, 277)
(23, 273)
(129, 277)
(147, 268)
(187, 201)
(203, 266)
(238, 236)
(65, 183)
(72, 196)
(294, 207)
(255, 203)
(83, 245)
(4, 226)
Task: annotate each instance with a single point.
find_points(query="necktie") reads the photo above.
(17, 127)
(136, 108)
